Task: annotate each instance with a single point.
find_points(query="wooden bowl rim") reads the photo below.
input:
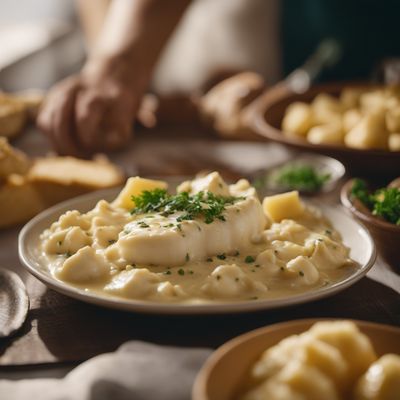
(199, 390)
(367, 218)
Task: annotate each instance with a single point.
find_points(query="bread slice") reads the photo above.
(12, 161)
(60, 178)
(13, 116)
(19, 201)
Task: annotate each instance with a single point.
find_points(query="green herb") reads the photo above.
(236, 253)
(209, 259)
(143, 224)
(301, 273)
(111, 241)
(383, 202)
(221, 256)
(191, 272)
(328, 232)
(68, 254)
(187, 258)
(167, 272)
(249, 259)
(181, 271)
(301, 177)
(206, 205)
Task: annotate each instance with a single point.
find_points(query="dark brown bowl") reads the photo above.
(268, 112)
(385, 234)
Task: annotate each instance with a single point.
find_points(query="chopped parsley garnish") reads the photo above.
(384, 203)
(181, 271)
(167, 272)
(301, 273)
(249, 259)
(68, 254)
(221, 256)
(236, 253)
(187, 258)
(209, 259)
(205, 205)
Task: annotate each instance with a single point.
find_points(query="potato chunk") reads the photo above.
(393, 118)
(394, 142)
(133, 187)
(381, 381)
(325, 109)
(283, 206)
(369, 133)
(297, 120)
(326, 134)
(351, 118)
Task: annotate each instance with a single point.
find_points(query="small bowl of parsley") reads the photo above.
(379, 210)
(308, 173)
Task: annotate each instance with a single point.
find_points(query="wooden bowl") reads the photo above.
(222, 375)
(385, 234)
(269, 110)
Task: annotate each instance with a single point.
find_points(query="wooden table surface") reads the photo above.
(63, 330)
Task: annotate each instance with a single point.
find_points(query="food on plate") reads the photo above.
(12, 160)
(295, 176)
(359, 118)
(333, 360)
(19, 201)
(13, 116)
(383, 202)
(60, 178)
(29, 186)
(226, 106)
(16, 109)
(206, 242)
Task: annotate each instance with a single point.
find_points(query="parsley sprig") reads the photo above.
(383, 202)
(206, 205)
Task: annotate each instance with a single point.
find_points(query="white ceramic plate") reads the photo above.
(354, 236)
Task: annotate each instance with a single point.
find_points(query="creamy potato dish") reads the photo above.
(331, 361)
(207, 242)
(359, 118)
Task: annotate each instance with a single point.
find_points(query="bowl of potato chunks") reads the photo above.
(358, 124)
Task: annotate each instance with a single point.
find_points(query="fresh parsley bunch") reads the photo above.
(383, 202)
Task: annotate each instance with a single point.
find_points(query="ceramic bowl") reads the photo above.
(385, 234)
(222, 375)
(322, 164)
(268, 112)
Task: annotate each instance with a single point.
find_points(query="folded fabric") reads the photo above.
(136, 371)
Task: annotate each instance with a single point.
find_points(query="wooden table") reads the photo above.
(61, 330)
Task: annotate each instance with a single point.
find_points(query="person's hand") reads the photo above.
(81, 116)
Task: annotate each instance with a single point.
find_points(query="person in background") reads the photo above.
(176, 46)
(172, 46)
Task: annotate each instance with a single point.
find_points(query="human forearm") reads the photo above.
(133, 36)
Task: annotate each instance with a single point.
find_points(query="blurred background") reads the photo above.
(42, 41)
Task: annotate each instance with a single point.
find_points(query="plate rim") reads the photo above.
(147, 307)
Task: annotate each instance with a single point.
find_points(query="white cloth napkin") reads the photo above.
(136, 371)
